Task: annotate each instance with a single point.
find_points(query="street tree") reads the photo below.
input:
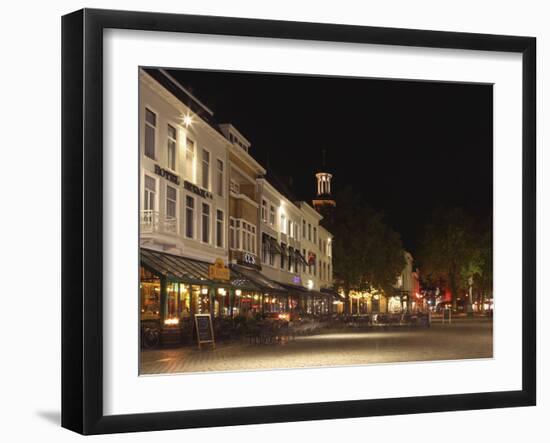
(368, 255)
(453, 251)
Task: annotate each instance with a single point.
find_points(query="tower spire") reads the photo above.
(324, 191)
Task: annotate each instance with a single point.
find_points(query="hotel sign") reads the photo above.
(167, 175)
(218, 271)
(196, 190)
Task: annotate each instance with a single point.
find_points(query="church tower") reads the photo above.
(323, 201)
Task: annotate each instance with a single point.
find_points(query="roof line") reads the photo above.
(176, 83)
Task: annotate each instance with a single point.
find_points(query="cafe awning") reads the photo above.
(265, 284)
(297, 288)
(272, 243)
(300, 258)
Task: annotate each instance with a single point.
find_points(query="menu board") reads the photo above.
(205, 331)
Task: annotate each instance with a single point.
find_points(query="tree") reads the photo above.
(453, 250)
(367, 254)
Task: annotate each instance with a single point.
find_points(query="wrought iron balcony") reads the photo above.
(152, 222)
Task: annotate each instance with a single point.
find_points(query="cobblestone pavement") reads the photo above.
(461, 340)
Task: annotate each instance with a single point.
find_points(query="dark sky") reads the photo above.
(405, 147)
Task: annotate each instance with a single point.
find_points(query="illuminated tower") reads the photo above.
(323, 200)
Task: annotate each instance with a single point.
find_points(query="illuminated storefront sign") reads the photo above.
(218, 271)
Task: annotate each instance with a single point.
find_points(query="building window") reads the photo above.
(303, 228)
(268, 252)
(205, 169)
(219, 228)
(189, 216)
(264, 211)
(205, 223)
(283, 247)
(272, 215)
(171, 201)
(220, 178)
(189, 159)
(172, 143)
(234, 187)
(289, 230)
(150, 131)
(314, 234)
(231, 233)
(291, 259)
(272, 256)
(328, 273)
(241, 229)
(304, 266)
(237, 234)
(309, 231)
(149, 196)
(297, 231)
(282, 224)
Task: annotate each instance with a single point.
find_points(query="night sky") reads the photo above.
(405, 147)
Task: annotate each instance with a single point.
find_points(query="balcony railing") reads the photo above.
(151, 221)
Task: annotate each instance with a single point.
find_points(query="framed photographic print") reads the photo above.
(269, 221)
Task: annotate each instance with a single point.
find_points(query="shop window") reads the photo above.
(149, 291)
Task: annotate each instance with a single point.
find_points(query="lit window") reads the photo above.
(220, 178)
(172, 140)
(150, 131)
(264, 211)
(171, 201)
(149, 196)
(205, 223)
(219, 228)
(189, 216)
(189, 159)
(205, 169)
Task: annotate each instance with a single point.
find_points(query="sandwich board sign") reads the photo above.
(205, 331)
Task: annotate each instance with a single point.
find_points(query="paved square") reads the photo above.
(465, 339)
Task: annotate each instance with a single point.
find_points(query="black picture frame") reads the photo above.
(82, 232)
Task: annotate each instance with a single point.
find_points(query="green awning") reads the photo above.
(258, 279)
(191, 271)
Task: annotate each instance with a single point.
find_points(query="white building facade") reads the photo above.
(183, 179)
